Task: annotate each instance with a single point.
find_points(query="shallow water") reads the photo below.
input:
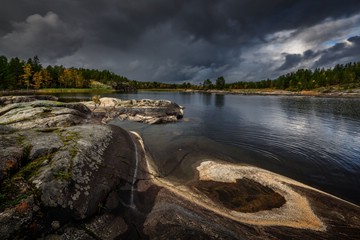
(313, 140)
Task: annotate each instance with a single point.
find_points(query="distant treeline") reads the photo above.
(19, 74)
(344, 75)
(347, 76)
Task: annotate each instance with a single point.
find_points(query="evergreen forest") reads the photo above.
(18, 74)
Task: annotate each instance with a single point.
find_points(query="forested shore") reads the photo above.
(17, 74)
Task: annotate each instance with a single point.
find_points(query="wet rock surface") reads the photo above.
(85, 180)
(244, 196)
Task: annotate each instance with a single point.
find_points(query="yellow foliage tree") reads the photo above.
(46, 78)
(71, 78)
(79, 79)
(26, 77)
(65, 78)
(38, 80)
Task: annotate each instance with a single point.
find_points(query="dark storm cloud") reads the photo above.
(293, 60)
(343, 52)
(249, 20)
(178, 40)
(121, 23)
(227, 23)
(47, 36)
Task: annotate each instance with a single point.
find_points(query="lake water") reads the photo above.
(313, 140)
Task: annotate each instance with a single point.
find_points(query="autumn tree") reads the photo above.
(38, 80)
(46, 78)
(41, 79)
(65, 78)
(27, 75)
(79, 79)
(71, 78)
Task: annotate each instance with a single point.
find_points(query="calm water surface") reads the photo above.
(313, 140)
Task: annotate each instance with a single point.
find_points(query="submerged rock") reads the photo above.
(245, 195)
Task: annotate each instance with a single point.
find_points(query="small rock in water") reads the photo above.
(55, 225)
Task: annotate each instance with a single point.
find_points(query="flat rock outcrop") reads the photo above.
(18, 99)
(41, 113)
(145, 110)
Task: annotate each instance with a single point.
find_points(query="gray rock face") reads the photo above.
(19, 99)
(66, 179)
(72, 172)
(13, 220)
(78, 177)
(10, 156)
(145, 110)
(69, 172)
(27, 115)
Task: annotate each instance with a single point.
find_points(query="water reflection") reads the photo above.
(207, 99)
(337, 107)
(219, 100)
(313, 140)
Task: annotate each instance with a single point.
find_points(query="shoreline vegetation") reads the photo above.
(54, 90)
(353, 93)
(334, 91)
(28, 77)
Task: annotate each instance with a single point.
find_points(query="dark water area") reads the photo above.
(313, 140)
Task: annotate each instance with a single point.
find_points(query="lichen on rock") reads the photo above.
(60, 164)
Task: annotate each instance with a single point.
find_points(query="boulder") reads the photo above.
(57, 168)
(71, 172)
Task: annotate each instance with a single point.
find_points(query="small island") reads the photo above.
(65, 173)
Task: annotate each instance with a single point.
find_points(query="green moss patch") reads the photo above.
(18, 187)
(68, 136)
(63, 175)
(32, 168)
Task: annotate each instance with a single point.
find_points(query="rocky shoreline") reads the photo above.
(355, 93)
(66, 174)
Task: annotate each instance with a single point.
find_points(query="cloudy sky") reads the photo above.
(177, 41)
